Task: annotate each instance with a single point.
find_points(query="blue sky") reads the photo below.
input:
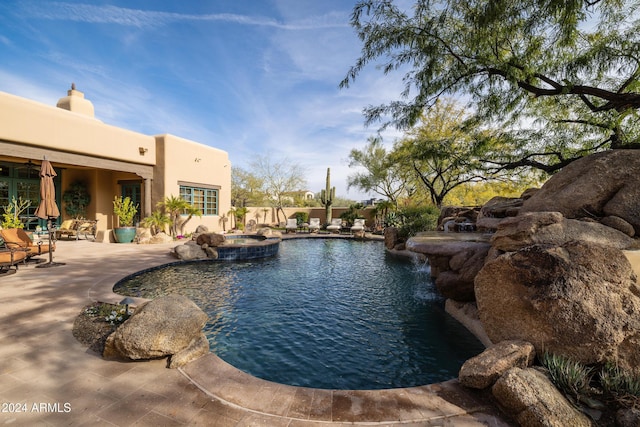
(251, 77)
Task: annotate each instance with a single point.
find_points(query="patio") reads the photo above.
(52, 379)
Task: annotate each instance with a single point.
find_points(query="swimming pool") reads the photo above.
(323, 313)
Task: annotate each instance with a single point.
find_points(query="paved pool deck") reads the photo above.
(47, 378)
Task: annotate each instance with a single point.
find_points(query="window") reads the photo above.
(21, 180)
(205, 199)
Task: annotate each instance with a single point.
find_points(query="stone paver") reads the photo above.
(47, 378)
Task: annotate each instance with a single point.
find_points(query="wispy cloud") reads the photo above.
(109, 14)
(264, 84)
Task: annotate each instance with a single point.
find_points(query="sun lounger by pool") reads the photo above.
(335, 226)
(314, 224)
(292, 224)
(358, 226)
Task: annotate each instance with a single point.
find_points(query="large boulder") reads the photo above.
(391, 237)
(165, 326)
(189, 251)
(201, 229)
(211, 239)
(143, 235)
(534, 401)
(454, 264)
(619, 224)
(577, 299)
(553, 228)
(496, 210)
(501, 207)
(599, 185)
(161, 237)
(483, 370)
(268, 232)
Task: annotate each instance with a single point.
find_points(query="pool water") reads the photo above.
(323, 313)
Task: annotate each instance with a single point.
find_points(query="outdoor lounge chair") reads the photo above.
(335, 226)
(67, 229)
(292, 224)
(358, 226)
(11, 257)
(74, 228)
(18, 238)
(314, 225)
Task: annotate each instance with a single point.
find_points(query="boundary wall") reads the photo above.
(267, 215)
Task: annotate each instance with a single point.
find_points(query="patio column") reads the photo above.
(147, 197)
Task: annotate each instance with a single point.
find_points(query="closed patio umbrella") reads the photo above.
(48, 209)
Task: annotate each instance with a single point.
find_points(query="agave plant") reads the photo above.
(570, 376)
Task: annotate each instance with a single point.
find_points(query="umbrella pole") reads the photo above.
(51, 242)
(50, 236)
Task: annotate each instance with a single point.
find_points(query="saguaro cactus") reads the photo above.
(327, 195)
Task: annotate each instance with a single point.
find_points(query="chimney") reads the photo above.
(74, 101)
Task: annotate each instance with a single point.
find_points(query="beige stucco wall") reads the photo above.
(84, 148)
(181, 160)
(36, 124)
(102, 185)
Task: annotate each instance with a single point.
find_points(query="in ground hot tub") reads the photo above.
(241, 246)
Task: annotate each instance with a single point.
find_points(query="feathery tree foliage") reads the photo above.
(565, 71)
(441, 153)
(380, 175)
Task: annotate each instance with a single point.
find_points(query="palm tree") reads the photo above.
(157, 222)
(240, 214)
(232, 215)
(190, 211)
(174, 206)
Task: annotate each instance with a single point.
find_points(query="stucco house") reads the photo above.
(111, 161)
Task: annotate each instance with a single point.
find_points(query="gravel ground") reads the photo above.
(92, 330)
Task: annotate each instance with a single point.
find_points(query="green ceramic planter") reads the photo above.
(124, 234)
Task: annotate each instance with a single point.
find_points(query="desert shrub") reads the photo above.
(351, 214)
(301, 217)
(415, 219)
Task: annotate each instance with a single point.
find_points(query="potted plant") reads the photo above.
(12, 212)
(125, 210)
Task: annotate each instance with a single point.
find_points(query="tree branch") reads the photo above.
(614, 100)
